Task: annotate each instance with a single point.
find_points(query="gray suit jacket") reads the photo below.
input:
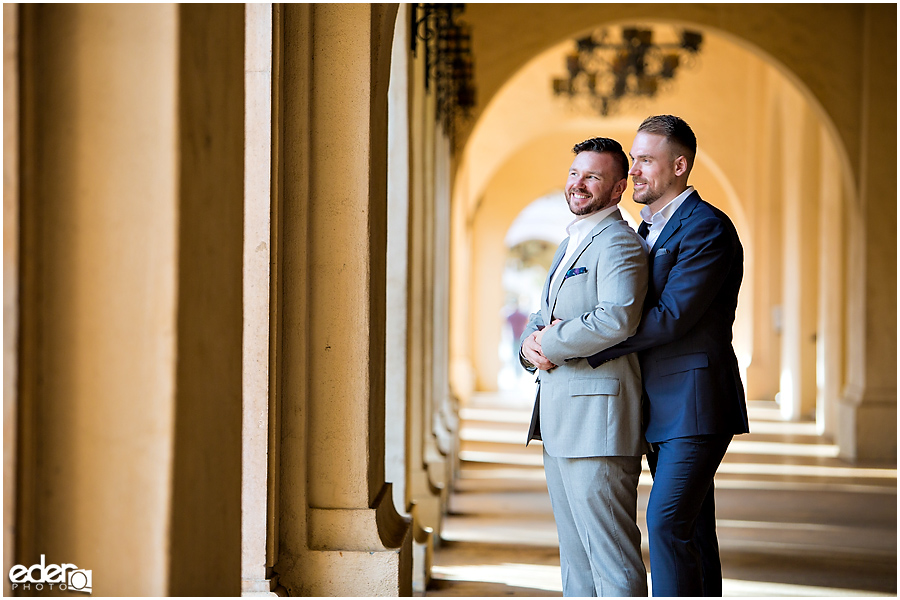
(580, 411)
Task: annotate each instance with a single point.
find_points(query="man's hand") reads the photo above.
(531, 349)
(539, 335)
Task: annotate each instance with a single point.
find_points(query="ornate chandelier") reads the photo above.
(605, 72)
(449, 67)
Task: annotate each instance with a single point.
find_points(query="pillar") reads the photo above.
(426, 484)
(10, 279)
(445, 417)
(131, 309)
(462, 372)
(206, 502)
(259, 413)
(868, 412)
(797, 395)
(832, 253)
(762, 373)
(340, 532)
(397, 359)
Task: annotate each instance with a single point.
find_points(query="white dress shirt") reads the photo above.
(657, 222)
(578, 230)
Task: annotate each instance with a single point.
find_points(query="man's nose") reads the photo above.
(634, 169)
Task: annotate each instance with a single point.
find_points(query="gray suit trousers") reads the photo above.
(594, 503)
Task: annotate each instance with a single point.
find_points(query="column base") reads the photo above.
(866, 426)
(359, 552)
(353, 573)
(423, 557)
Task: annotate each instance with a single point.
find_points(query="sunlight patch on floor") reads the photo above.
(547, 577)
(805, 470)
(537, 577)
(783, 449)
(755, 589)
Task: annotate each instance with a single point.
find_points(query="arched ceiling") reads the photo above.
(818, 46)
(525, 118)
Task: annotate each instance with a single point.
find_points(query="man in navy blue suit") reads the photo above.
(693, 395)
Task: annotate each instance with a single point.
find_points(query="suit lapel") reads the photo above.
(545, 292)
(684, 211)
(612, 218)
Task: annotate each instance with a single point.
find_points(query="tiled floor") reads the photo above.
(793, 519)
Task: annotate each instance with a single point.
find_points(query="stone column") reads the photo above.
(832, 253)
(426, 488)
(762, 373)
(99, 297)
(445, 420)
(868, 412)
(797, 395)
(397, 359)
(132, 198)
(206, 471)
(258, 419)
(11, 238)
(333, 421)
(462, 373)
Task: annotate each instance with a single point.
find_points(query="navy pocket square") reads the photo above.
(574, 272)
(661, 252)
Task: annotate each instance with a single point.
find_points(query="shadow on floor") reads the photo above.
(793, 519)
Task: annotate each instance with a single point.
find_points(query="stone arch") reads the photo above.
(755, 32)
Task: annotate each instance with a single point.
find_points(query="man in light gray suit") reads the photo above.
(590, 419)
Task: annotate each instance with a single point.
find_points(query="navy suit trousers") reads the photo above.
(681, 516)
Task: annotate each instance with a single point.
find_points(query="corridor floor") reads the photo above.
(793, 519)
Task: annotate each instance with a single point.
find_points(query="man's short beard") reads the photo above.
(647, 198)
(590, 208)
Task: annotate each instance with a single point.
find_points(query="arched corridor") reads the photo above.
(254, 258)
(764, 133)
(793, 520)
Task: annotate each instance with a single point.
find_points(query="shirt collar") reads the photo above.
(584, 223)
(665, 213)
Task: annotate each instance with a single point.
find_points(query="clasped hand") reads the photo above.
(531, 349)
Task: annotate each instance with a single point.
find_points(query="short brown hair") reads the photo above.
(607, 145)
(676, 131)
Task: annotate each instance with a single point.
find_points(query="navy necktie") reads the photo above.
(644, 229)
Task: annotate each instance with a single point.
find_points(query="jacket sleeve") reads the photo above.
(535, 322)
(704, 258)
(621, 287)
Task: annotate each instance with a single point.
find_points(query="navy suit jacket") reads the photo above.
(692, 384)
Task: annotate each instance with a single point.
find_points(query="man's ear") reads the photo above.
(681, 166)
(620, 188)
